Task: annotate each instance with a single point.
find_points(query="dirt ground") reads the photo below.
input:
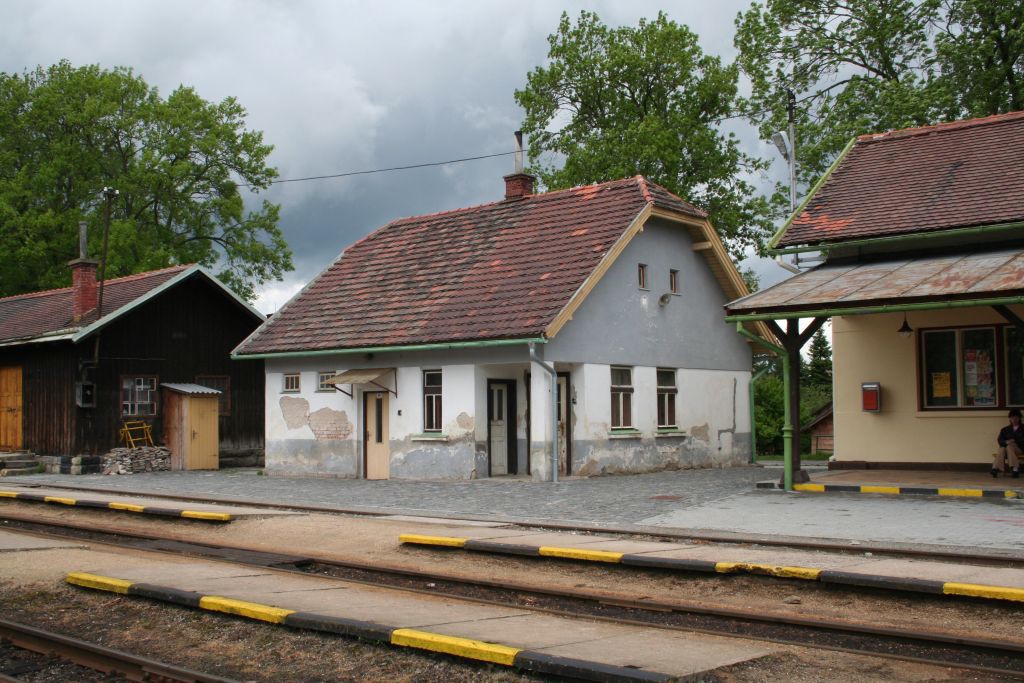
(32, 590)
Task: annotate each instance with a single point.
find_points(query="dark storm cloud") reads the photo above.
(345, 86)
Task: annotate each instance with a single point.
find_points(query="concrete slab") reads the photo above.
(945, 572)
(13, 542)
(442, 520)
(533, 631)
(679, 654)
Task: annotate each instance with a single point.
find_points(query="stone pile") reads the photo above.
(141, 459)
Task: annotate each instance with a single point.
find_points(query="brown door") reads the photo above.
(375, 434)
(564, 425)
(10, 408)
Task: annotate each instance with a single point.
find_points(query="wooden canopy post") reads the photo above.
(792, 341)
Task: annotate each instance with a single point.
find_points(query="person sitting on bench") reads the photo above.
(1011, 445)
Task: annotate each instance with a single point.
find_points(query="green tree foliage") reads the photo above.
(860, 66)
(66, 132)
(819, 363)
(616, 102)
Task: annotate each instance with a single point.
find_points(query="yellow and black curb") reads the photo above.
(897, 490)
(830, 576)
(466, 648)
(203, 515)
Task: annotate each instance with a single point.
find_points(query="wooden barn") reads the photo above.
(77, 363)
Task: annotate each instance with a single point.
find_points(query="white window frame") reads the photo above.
(130, 404)
(325, 375)
(297, 388)
(622, 397)
(667, 404)
(432, 403)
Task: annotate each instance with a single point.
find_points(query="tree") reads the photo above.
(861, 66)
(819, 363)
(177, 163)
(616, 102)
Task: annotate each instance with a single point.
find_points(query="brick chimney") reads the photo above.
(519, 184)
(83, 279)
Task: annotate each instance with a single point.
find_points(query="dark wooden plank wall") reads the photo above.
(47, 389)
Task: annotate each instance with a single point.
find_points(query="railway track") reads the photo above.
(29, 652)
(993, 656)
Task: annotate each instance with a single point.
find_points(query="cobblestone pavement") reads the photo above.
(722, 500)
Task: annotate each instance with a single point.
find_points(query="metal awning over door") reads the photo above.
(362, 376)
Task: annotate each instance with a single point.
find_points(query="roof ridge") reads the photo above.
(642, 181)
(123, 278)
(943, 126)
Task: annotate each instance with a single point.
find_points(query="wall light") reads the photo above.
(905, 329)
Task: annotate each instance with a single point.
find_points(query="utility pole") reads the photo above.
(110, 194)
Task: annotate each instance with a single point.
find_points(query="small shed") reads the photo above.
(190, 426)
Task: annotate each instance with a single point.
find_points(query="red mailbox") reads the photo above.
(871, 397)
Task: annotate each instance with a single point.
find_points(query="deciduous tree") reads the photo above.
(178, 163)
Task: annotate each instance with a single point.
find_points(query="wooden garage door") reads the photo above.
(10, 408)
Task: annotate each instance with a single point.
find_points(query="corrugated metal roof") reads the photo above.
(997, 272)
(191, 389)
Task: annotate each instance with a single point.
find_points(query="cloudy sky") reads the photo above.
(348, 86)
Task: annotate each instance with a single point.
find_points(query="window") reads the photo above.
(622, 398)
(960, 368)
(221, 383)
(673, 281)
(667, 399)
(641, 275)
(290, 383)
(431, 400)
(321, 380)
(138, 396)
(1014, 367)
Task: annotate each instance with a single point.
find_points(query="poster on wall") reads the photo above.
(979, 388)
(941, 385)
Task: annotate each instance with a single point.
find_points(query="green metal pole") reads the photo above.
(753, 420)
(787, 425)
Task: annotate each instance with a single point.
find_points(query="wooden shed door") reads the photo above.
(375, 435)
(10, 408)
(204, 437)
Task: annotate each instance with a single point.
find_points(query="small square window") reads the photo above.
(321, 380)
(641, 275)
(673, 281)
(290, 383)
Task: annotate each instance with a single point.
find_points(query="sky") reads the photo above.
(342, 86)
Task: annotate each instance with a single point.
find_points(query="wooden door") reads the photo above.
(10, 408)
(204, 439)
(375, 435)
(497, 412)
(564, 425)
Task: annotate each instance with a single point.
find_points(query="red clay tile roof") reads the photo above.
(39, 314)
(496, 271)
(951, 175)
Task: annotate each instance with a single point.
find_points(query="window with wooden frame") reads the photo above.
(673, 281)
(641, 275)
(138, 395)
(431, 400)
(960, 368)
(290, 383)
(667, 391)
(221, 383)
(622, 398)
(321, 380)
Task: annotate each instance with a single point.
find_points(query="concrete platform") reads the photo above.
(142, 505)
(14, 542)
(519, 638)
(915, 575)
(909, 482)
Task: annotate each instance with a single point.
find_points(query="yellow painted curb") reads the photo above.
(253, 610)
(58, 499)
(103, 583)
(461, 647)
(198, 514)
(581, 554)
(973, 493)
(8, 494)
(975, 590)
(879, 489)
(126, 506)
(449, 541)
(807, 573)
(1009, 494)
(816, 488)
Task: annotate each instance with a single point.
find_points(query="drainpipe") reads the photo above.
(787, 425)
(550, 369)
(753, 422)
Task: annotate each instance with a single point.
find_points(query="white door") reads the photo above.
(497, 414)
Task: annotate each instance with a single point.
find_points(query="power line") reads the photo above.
(385, 170)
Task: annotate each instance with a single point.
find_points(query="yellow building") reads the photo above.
(922, 235)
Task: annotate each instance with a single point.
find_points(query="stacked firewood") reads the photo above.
(133, 460)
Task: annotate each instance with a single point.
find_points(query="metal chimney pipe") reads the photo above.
(519, 151)
(82, 240)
